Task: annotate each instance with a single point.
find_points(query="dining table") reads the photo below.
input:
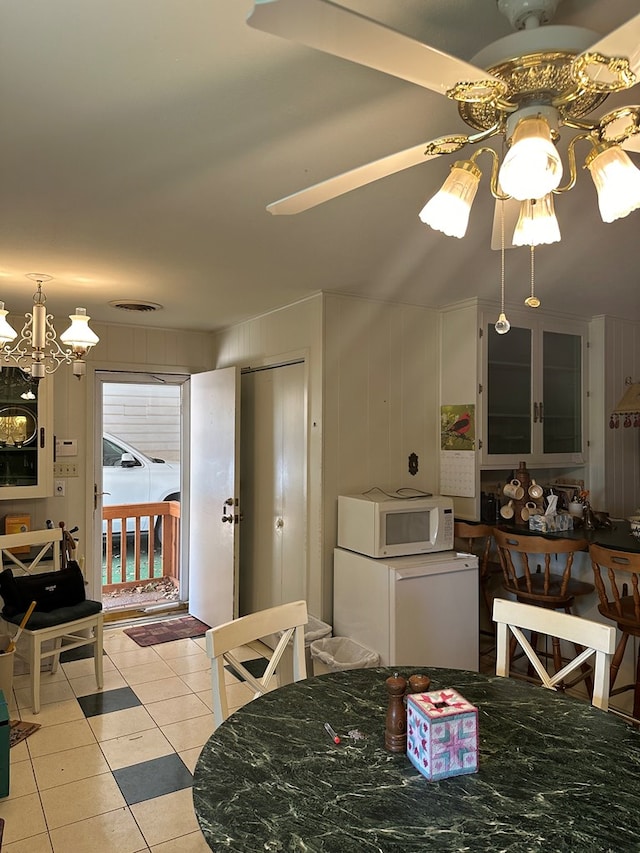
(554, 773)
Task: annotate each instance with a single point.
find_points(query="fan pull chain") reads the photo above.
(532, 301)
(502, 325)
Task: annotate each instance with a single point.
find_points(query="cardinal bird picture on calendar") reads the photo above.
(458, 427)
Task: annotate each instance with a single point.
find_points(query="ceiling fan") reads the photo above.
(524, 88)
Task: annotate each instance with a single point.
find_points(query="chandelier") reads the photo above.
(37, 351)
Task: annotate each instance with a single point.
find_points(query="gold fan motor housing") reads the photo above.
(541, 77)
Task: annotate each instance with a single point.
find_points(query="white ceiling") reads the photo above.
(141, 140)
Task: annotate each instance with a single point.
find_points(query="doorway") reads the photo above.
(138, 463)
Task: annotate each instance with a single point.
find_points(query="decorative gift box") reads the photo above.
(546, 523)
(442, 734)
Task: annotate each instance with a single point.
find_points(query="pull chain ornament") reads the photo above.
(532, 301)
(502, 325)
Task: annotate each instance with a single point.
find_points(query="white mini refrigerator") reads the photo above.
(419, 610)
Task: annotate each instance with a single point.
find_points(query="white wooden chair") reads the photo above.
(223, 640)
(47, 540)
(50, 633)
(594, 637)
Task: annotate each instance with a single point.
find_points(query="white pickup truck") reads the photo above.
(129, 476)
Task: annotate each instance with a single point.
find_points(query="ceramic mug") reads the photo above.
(576, 509)
(514, 490)
(507, 510)
(528, 509)
(535, 491)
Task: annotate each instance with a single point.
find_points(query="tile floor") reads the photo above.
(111, 772)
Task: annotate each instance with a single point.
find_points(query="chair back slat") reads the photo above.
(595, 638)
(619, 569)
(528, 567)
(288, 620)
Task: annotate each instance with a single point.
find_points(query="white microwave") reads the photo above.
(395, 527)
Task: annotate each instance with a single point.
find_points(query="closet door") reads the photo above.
(273, 543)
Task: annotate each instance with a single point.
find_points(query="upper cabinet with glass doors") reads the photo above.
(534, 392)
(26, 436)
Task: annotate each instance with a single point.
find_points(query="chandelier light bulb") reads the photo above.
(448, 211)
(537, 223)
(502, 324)
(79, 336)
(7, 333)
(532, 167)
(616, 179)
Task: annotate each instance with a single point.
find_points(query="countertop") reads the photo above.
(554, 774)
(618, 537)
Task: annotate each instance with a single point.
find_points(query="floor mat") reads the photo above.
(164, 632)
(18, 731)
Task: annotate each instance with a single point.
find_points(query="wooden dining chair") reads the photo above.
(594, 638)
(529, 572)
(537, 571)
(286, 620)
(477, 539)
(617, 579)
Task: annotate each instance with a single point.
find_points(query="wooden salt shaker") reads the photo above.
(395, 733)
(419, 683)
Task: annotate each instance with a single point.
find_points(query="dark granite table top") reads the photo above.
(554, 774)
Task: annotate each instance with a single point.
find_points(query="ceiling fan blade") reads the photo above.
(511, 209)
(352, 180)
(326, 26)
(622, 43)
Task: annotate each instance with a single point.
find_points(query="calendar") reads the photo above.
(458, 473)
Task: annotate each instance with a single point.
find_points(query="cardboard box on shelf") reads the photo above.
(18, 524)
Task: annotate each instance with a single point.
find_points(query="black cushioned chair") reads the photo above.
(63, 619)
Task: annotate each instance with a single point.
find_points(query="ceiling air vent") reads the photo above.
(135, 305)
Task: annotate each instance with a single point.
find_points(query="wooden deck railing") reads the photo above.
(143, 555)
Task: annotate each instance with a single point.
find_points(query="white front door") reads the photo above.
(214, 509)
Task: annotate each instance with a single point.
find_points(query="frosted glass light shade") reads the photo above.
(7, 333)
(532, 167)
(79, 336)
(537, 223)
(448, 210)
(617, 181)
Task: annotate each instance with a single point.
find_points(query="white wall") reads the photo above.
(381, 380)
(373, 389)
(616, 452)
(147, 416)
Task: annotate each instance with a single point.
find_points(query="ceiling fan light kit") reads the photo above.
(532, 167)
(448, 211)
(526, 87)
(616, 179)
(537, 223)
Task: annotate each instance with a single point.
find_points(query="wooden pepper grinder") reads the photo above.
(395, 733)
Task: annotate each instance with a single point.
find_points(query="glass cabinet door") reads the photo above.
(561, 409)
(23, 438)
(509, 376)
